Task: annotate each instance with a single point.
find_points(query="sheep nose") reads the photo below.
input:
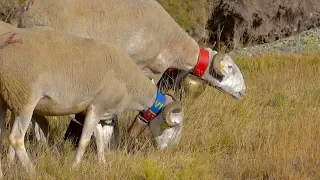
(242, 92)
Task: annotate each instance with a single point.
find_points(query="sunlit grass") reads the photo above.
(189, 14)
(273, 133)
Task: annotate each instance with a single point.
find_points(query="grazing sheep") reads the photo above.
(145, 31)
(52, 74)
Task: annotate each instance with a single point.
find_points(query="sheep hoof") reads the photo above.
(11, 155)
(31, 170)
(102, 161)
(75, 166)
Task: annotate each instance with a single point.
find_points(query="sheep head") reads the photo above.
(167, 126)
(224, 74)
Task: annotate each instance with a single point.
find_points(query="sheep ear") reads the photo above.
(211, 52)
(173, 114)
(215, 59)
(216, 64)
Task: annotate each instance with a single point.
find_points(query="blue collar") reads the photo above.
(156, 107)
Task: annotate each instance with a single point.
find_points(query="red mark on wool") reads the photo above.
(10, 40)
(26, 5)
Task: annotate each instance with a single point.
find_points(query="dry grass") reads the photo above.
(274, 133)
(187, 13)
(9, 10)
(191, 15)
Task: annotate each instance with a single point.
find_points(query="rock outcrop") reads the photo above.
(235, 22)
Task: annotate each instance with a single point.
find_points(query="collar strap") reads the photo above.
(203, 62)
(156, 107)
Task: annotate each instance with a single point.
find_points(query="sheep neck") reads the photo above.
(156, 107)
(185, 51)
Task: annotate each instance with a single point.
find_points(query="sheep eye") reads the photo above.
(230, 66)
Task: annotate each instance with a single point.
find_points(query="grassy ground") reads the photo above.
(187, 13)
(273, 133)
(191, 15)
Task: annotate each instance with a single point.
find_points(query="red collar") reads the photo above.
(203, 62)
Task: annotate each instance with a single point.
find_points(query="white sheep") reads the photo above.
(145, 31)
(53, 74)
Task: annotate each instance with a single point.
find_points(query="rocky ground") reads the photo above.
(301, 43)
(267, 26)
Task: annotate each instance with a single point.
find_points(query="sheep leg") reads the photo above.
(108, 126)
(74, 129)
(111, 133)
(107, 133)
(116, 133)
(98, 133)
(3, 110)
(91, 121)
(41, 128)
(16, 137)
(38, 132)
(11, 153)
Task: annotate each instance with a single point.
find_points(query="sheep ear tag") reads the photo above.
(166, 126)
(203, 62)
